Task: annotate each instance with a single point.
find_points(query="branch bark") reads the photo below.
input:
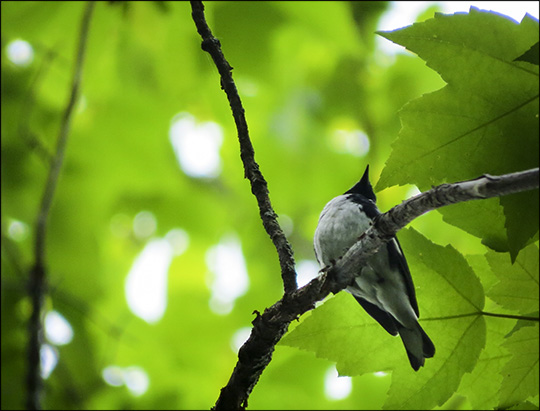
(38, 272)
(259, 187)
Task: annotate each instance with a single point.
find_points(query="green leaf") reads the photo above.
(483, 121)
(484, 219)
(525, 405)
(341, 331)
(531, 55)
(517, 288)
(519, 234)
(459, 342)
(482, 385)
(449, 296)
(521, 372)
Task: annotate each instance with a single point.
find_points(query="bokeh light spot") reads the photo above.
(196, 145)
(336, 387)
(57, 329)
(229, 277)
(146, 282)
(20, 52)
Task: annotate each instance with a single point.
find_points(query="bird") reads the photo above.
(383, 286)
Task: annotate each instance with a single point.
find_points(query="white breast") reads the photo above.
(340, 225)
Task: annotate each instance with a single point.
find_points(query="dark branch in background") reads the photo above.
(33, 141)
(259, 187)
(268, 328)
(37, 279)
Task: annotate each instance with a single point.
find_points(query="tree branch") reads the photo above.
(269, 327)
(37, 278)
(259, 187)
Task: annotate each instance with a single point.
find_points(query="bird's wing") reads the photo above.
(398, 258)
(382, 317)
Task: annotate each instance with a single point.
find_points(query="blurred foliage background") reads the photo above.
(156, 254)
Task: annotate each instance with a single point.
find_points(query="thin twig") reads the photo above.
(259, 187)
(33, 141)
(37, 277)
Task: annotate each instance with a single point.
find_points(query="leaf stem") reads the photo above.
(515, 317)
(488, 314)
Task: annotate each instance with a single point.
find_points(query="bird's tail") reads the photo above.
(418, 345)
